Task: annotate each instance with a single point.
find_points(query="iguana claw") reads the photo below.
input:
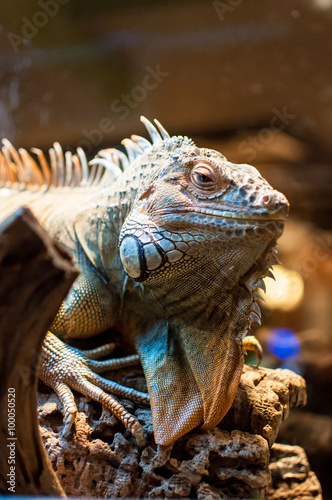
(65, 368)
(250, 343)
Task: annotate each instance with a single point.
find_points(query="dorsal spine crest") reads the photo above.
(18, 168)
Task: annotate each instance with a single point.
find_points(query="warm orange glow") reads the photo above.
(286, 293)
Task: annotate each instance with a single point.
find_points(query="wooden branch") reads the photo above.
(35, 276)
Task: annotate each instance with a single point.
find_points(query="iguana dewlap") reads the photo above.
(172, 241)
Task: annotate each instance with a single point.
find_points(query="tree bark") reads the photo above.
(36, 274)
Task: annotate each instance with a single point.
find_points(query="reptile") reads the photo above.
(172, 242)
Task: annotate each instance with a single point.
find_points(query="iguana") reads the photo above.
(172, 242)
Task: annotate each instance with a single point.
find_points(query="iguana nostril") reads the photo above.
(275, 202)
(267, 200)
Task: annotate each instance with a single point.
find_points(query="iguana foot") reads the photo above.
(64, 368)
(250, 343)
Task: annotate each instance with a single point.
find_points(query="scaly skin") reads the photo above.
(170, 254)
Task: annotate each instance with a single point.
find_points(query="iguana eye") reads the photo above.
(203, 177)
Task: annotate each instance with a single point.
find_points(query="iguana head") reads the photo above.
(200, 236)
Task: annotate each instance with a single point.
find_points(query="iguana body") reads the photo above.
(170, 253)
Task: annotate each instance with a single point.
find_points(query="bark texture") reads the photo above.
(101, 459)
(292, 478)
(35, 275)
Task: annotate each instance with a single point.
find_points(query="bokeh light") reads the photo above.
(283, 343)
(286, 292)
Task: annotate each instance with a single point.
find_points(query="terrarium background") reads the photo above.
(227, 71)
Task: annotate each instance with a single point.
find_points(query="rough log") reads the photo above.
(263, 401)
(35, 275)
(292, 478)
(102, 459)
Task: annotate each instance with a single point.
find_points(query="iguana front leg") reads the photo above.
(85, 312)
(64, 368)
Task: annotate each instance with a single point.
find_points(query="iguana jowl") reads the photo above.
(172, 241)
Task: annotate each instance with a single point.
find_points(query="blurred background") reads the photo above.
(250, 78)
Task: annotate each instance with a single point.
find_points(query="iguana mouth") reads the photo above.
(269, 205)
(229, 214)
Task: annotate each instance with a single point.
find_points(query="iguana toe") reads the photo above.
(65, 368)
